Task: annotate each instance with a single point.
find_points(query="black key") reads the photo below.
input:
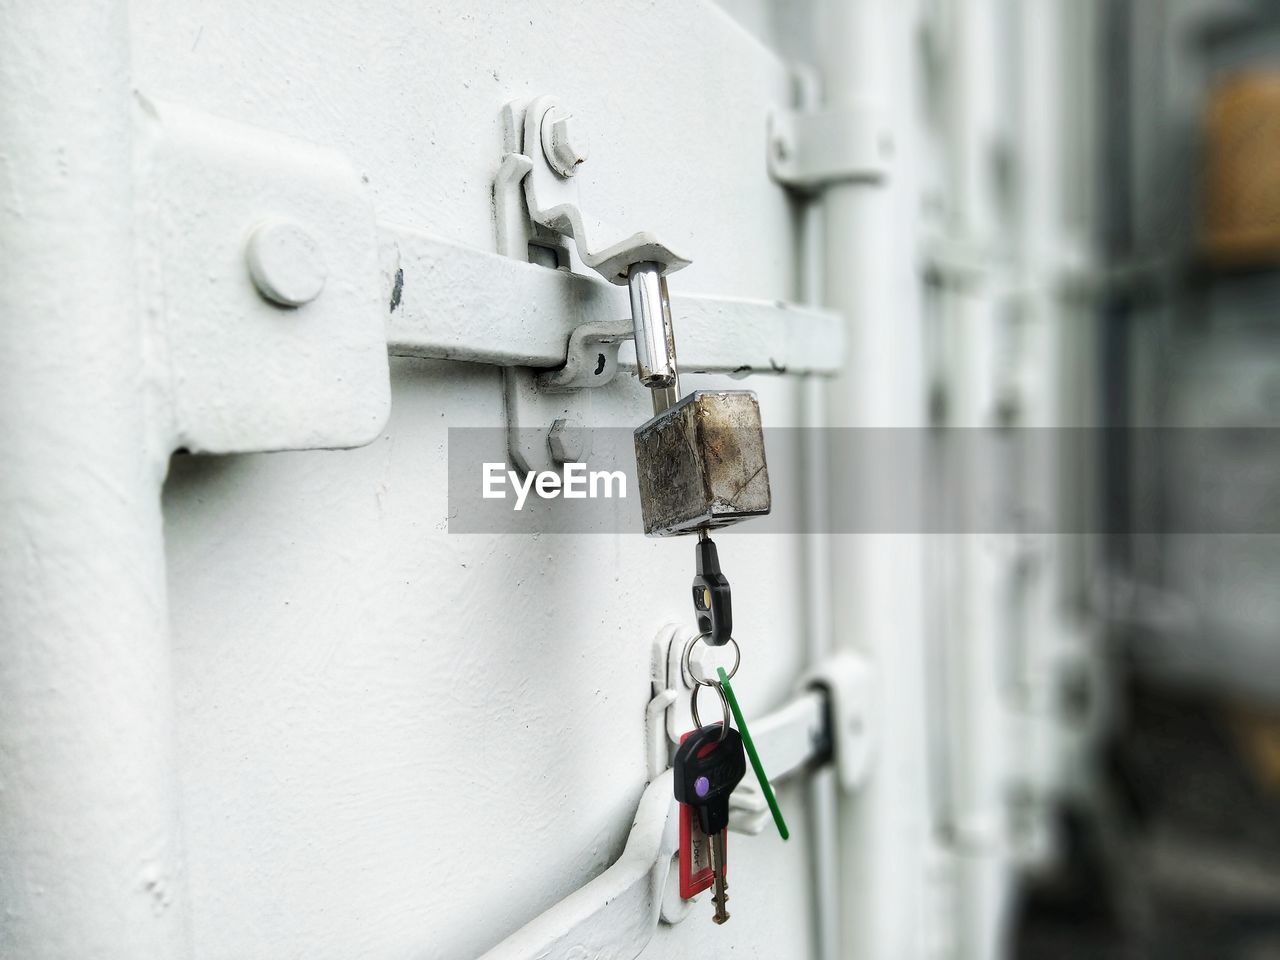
(706, 771)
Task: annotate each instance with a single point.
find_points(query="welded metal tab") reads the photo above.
(702, 463)
(808, 150)
(591, 359)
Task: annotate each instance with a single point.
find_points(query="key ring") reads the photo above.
(693, 681)
(724, 705)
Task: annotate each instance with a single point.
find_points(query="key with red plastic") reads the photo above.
(707, 768)
(696, 874)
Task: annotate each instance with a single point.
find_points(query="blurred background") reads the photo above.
(1178, 852)
(1161, 137)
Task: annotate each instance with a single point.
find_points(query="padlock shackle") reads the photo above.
(655, 333)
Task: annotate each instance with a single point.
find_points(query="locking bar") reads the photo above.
(455, 302)
(543, 147)
(616, 914)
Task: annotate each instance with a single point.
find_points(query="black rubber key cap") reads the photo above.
(712, 603)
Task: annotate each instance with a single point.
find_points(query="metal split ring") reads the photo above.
(695, 682)
(724, 705)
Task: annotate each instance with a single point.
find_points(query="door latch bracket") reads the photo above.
(551, 212)
(553, 201)
(591, 358)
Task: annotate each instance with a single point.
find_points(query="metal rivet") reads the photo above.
(285, 263)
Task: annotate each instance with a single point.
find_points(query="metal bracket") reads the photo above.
(808, 150)
(537, 400)
(848, 683)
(591, 358)
(259, 265)
(553, 201)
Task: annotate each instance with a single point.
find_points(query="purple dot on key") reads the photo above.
(701, 786)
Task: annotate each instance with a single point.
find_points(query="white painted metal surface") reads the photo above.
(871, 276)
(263, 704)
(451, 668)
(89, 833)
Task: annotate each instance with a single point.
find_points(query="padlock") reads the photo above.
(700, 461)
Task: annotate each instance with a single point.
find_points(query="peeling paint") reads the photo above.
(396, 289)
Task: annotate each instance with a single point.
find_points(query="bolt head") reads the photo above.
(564, 142)
(566, 441)
(285, 263)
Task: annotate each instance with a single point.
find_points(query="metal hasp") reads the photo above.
(702, 463)
(550, 142)
(545, 145)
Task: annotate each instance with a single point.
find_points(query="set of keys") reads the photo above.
(712, 759)
(708, 765)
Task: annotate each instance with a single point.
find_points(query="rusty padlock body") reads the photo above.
(701, 463)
